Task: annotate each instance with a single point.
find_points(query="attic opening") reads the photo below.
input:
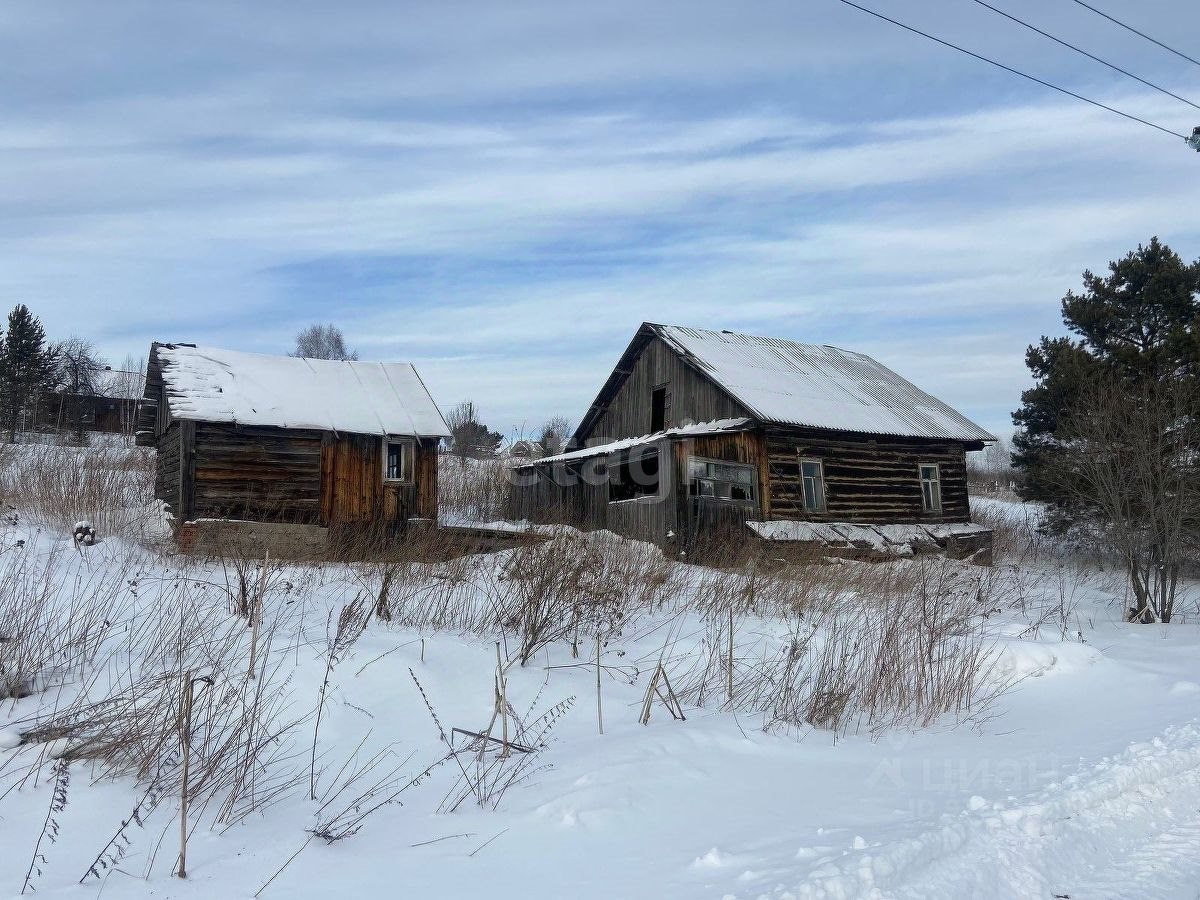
(660, 402)
(634, 476)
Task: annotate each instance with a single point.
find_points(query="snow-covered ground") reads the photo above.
(1081, 780)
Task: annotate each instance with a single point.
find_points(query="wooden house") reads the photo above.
(696, 430)
(526, 449)
(301, 443)
(62, 411)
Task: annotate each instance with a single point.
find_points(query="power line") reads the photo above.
(1140, 34)
(1058, 40)
(1000, 65)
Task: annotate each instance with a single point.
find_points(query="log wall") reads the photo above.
(868, 479)
(257, 473)
(166, 474)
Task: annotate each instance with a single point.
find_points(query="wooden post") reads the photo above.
(729, 673)
(185, 729)
(256, 613)
(502, 699)
(599, 707)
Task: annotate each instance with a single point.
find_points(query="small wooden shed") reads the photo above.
(280, 439)
(696, 430)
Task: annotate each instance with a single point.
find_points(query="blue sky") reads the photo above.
(501, 193)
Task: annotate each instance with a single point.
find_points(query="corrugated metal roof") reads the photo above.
(213, 385)
(790, 383)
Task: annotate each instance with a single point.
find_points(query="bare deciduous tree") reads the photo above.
(1130, 461)
(80, 373)
(992, 465)
(323, 342)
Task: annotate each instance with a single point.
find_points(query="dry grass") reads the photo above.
(56, 486)
(56, 611)
(476, 490)
(867, 646)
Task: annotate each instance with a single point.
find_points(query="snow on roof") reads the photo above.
(717, 426)
(212, 385)
(879, 537)
(819, 386)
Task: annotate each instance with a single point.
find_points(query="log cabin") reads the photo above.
(698, 431)
(298, 446)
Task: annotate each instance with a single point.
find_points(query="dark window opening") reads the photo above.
(659, 401)
(633, 477)
(720, 481)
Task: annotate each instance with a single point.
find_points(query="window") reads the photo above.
(812, 479)
(634, 477)
(720, 481)
(931, 487)
(398, 460)
(660, 408)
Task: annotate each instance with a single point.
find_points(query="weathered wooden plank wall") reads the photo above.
(251, 472)
(351, 478)
(737, 447)
(559, 494)
(870, 479)
(427, 478)
(692, 396)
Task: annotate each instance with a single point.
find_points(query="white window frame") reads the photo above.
(820, 481)
(408, 456)
(931, 502)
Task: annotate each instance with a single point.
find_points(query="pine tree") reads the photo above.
(26, 367)
(1140, 322)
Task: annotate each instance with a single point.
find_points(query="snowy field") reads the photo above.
(1013, 738)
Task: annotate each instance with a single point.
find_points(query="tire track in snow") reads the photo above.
(1128, 826)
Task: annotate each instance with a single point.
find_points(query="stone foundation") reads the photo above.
(230, 537)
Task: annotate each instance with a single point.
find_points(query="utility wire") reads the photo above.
(1140, 34)
(1113, 66)
(999, 65)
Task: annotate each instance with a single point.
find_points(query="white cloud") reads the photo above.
(544, 177)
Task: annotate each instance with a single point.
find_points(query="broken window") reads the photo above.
(812, 478)
(635, 476)
(398, 460)
(931, 487)
(720, 480)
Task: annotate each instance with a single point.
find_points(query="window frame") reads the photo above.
(752, 484)
(819, 480)
(409, 456)
(930, 503)
(621, 464)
